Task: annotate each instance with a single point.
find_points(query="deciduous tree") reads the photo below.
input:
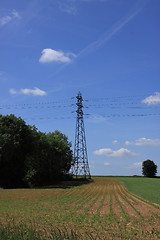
(149, 168)
(15, 145)
(29, 157)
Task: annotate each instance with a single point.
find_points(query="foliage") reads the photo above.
(29, 157)
(51, 160)
(149, 168)
(15, 145)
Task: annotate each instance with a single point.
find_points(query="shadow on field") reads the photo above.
(63, 184)
(69, 183)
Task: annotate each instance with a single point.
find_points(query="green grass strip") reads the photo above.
(147, 188)
(139, 198)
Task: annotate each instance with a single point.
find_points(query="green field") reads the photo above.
(100, 210)
(147, 188)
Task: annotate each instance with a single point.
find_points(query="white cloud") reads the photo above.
(35, 92)
(153, 99)
(115, 142)
(122, 152)
(107, 164)
(144, 142)
(8, 18)
(50, 55)
(136, 165)
(26, 91)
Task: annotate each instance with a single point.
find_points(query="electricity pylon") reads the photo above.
(81, 166)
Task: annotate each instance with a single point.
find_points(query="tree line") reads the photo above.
(29, 157)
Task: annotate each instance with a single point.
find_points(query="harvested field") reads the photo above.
(102, 209)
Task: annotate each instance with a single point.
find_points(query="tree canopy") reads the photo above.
(149, 168)
(29, 157)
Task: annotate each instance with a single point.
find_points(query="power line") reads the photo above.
(99, 106)
(33, 107)
(37, 103)
(118, 98)
(96, 102)
(63, 115)
(92, 116)
(131, 105)
(123, 115)
(121, 104)
(111, 99)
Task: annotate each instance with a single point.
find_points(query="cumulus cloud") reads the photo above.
(26, 91)
(144, 142)
(8, 18)
(51, 55)
(35, 92)
(153, 99)
(122, 152)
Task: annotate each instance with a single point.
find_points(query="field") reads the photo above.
(102, 209)
(148, 188)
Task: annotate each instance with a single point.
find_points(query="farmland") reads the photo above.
(148, 188)
(102, 209)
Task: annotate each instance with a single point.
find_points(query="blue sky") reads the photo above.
(109, 51)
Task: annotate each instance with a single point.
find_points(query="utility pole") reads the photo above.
(81, 166)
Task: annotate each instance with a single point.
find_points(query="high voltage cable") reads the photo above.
(47, 118)
(117, 98)
(34, 103)
(46, 105)
(89, 116)
(110, 105)
(120, 103)
(36, 113)
(125, 115)
(111, 99)
(33, 107)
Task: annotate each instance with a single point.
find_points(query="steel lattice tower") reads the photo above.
(81, 166)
